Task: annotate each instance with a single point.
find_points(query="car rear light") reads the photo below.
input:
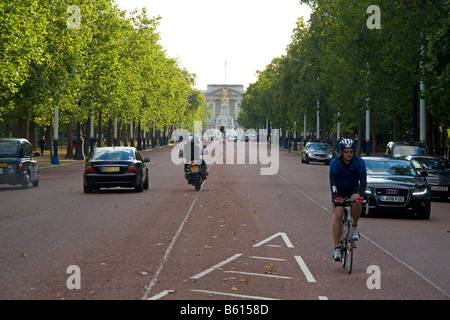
(132, 168)
(88, 168)
(20, 166)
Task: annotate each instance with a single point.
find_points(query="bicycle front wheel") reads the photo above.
(349, 249)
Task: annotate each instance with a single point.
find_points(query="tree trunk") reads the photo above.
(69, 154)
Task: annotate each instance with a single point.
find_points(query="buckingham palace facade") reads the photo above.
(214, 95)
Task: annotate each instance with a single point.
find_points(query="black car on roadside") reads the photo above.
(17, 164)
(393, 186)
(111, 167)
(438, 173)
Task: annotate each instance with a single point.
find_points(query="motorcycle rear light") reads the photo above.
(132, 168)
(88, 168)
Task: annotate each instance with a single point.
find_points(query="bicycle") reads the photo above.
(346, 243)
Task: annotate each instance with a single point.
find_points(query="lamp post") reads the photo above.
(115, 131)
(91, 133)
(79, 150)
(153, 136)
(295, 136)
(55, 159)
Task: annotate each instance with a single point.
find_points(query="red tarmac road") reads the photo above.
(243, 236)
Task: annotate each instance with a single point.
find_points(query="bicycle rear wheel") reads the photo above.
(343, 243)
(349, 249)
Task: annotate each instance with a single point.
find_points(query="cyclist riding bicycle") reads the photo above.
(348, 179)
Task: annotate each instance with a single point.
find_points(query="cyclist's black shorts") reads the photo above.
(346, 193)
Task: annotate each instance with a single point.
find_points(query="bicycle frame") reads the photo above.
(346, 242)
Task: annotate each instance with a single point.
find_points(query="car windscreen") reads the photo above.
(431, 164)
(390, 168)
(401, 151)
(8, 149)
(319, 147)
(113, 155)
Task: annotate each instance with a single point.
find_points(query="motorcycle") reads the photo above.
(194, 172)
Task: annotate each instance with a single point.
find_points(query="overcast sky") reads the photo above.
(248, 34)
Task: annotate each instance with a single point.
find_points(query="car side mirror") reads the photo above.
(423, 174)
(146, 159)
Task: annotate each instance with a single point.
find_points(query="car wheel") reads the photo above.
(146, 185)
(425, 215)
(26, 181)
(87, 188)
(140, 187)
(306, 160)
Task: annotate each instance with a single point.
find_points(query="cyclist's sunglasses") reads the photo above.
(347, 151)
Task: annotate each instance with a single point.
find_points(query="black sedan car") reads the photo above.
(438, 173)
(17, 165)
(317, 152)
(394, 186)
(110, 167)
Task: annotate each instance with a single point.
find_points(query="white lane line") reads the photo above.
(259, 274)
(166, 255)
(267, 258)
(233, 295)
(161, 295)
(323, 298)
(220, 264)
(373, 242)
(302, 264)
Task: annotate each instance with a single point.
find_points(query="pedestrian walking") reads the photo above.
(42, 145)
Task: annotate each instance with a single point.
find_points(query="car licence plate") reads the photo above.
(3, 164)
(439, 188)
(392, 199)
(194, 169)
(110, 169)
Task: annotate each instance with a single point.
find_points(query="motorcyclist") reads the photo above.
(193, 152)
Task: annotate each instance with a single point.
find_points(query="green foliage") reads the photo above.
(111, 62)
(338, 61)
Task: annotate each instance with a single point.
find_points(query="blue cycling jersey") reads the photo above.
(346, 178)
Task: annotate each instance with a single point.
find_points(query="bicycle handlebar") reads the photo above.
(349, 201)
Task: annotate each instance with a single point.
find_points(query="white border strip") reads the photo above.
(307, 273)
(233, 295)
(220, 264)
(169, 249)
(259, 274)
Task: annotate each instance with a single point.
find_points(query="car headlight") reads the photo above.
(330, 155)
(368, 190)
(420, 191)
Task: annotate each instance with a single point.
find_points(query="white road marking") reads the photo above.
(233, 295)
(166, 255)
(282, 234)
(371, 241)
(268, 258)
(323, 298)
(161, 295)
(302, 264)
(259, 274)
(220, 264)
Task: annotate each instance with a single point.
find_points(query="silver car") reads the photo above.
(317, 152)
